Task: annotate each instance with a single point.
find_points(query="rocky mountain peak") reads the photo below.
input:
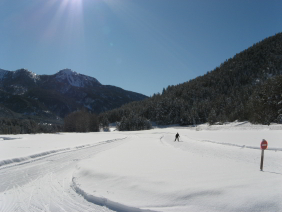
(2, 73)
(25, 72)
(75, 79)
(66, 71)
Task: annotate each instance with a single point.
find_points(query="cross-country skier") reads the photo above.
(177, 137)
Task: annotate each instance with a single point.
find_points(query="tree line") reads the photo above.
(27, 126)
(77, 121)
(85, 121)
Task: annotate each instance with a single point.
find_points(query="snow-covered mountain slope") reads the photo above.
(76, 79)
(210, 169)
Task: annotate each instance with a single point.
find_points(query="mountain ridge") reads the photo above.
(27, 94)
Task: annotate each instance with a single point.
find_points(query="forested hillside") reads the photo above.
(48, 98)
(245, 87)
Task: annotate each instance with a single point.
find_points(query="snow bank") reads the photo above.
(22, 159)
(104, 202)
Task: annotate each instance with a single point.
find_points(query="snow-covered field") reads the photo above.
(212, 168)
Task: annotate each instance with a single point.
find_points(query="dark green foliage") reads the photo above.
(212, 117)
(81, 121)
(245, 87)
(133, 123)
(26, 126)
(51, 100)
(104, 122)
(265, 105)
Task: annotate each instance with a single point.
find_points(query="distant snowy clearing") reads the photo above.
(212, 168)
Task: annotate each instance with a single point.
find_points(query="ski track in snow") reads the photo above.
(34, 157)
(45, 183)
(235, 145)
(248, 154)
(104, 201)
(241, 146)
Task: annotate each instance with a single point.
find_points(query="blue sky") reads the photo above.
(138, 45)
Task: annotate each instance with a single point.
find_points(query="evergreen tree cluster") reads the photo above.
(81, 121)
(133, 123)
(265, 105)
(245, 87)
(104, 123)
(26, 126)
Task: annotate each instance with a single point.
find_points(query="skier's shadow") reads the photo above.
(273, 172)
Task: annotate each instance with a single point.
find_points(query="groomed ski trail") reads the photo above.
(44, 184)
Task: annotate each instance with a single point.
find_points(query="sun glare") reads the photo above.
(68, 17)
(72, 4)
(77, 2)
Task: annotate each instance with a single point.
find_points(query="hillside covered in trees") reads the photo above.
(245, 87)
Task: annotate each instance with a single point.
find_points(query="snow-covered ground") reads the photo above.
(212, 168)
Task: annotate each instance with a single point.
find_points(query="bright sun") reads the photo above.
(67, 17)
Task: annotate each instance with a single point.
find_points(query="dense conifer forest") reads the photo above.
(247, 87)
(27, 126)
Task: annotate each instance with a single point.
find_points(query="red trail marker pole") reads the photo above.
(263, 146)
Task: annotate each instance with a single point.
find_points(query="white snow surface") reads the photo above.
(211, 168)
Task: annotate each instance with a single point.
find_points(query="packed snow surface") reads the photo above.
(211, 168)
